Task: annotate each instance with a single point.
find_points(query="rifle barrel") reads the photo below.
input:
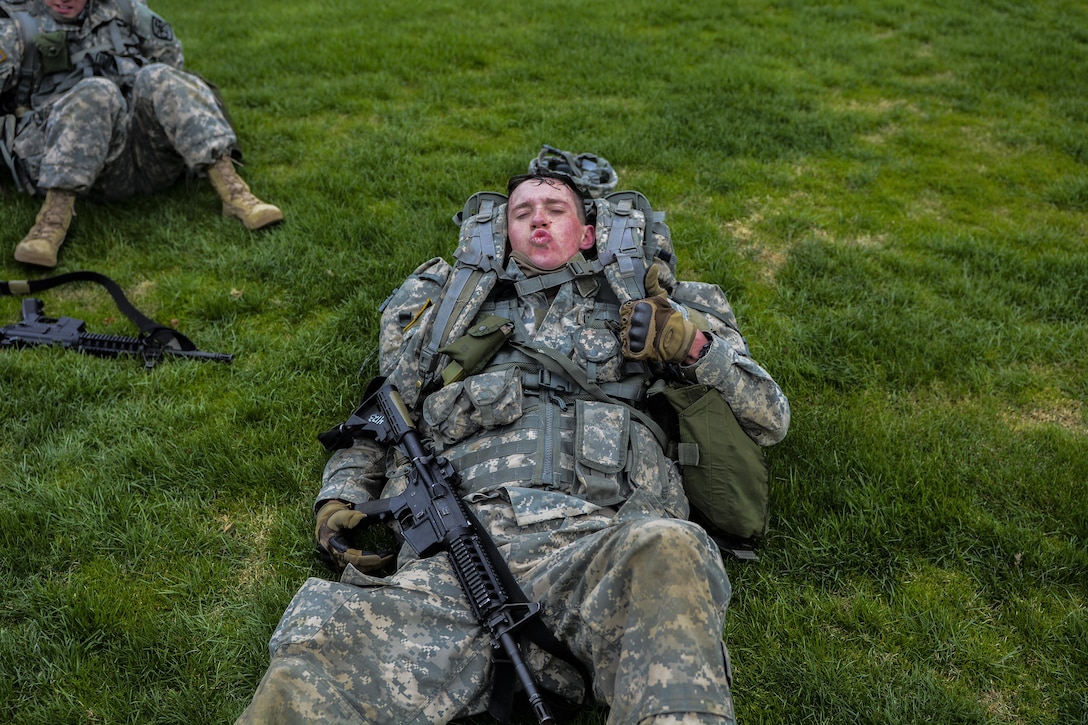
(223, 357)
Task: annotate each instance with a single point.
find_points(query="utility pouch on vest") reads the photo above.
(472, 351)
(53, 50)
(725, 472)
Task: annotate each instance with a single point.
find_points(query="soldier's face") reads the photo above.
(543, 223)
(65, 9)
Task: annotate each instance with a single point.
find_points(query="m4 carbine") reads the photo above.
(36, 329)
(433, 518)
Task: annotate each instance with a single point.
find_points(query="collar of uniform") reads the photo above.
(577, 268)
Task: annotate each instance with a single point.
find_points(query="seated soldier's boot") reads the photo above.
(238, 200)
(44, 239)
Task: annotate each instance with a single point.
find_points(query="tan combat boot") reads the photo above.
(238, 201)
(44, 239)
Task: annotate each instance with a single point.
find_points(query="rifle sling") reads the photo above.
(148, 327)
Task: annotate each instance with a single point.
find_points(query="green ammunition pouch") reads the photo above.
(725, 472)
(472, 351)
(53, 51)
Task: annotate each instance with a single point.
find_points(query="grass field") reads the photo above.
(894, 195)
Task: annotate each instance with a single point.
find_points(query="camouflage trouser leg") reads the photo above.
(178, 122)
(393, 651)
(641, 601)
(644, 603)
(85, 131)
(175, 125)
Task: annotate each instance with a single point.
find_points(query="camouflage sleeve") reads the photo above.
(157, 40)
(355, 474)
(405, 321)
(358, 474)
(11, 53)
(752, 394)
(754, 397)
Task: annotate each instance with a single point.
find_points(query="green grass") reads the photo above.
(892, 194)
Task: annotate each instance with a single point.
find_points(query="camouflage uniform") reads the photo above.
(581, 502)
(125, 119)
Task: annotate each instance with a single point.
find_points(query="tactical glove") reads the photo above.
(335, 522)
(652, 329)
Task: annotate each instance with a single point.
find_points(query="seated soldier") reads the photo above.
(98, 106)
(575, 490)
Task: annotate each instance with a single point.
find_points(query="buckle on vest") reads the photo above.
(546, 380)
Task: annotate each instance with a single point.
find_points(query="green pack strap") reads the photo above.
(655, 224)
(622, 249)
(465, 281)
(481, 250)
(576, 269)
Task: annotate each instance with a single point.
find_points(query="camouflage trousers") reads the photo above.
(640, 600)
(97, 140)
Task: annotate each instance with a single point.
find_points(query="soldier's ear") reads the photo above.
(589, 237)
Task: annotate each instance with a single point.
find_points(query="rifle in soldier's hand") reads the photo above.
(433, 518)
(36, 329)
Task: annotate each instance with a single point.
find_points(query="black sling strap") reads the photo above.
(148, 327)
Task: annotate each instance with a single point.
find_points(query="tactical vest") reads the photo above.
(479, 288)
(623, 248)
(731, 497)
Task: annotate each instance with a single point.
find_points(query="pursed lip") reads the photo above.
(540, 236)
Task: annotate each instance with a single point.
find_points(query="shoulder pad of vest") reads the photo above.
(435, 269)
(477, 203)
(28, 24)
(657, 237)
(482, 243)
(128, 9)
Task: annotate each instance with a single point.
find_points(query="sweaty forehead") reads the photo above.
(541, 190)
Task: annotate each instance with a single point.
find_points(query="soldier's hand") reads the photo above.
(652, 329)
(335, 522)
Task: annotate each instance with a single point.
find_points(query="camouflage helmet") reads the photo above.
(590, 173)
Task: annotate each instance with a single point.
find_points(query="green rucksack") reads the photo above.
(726, 476)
